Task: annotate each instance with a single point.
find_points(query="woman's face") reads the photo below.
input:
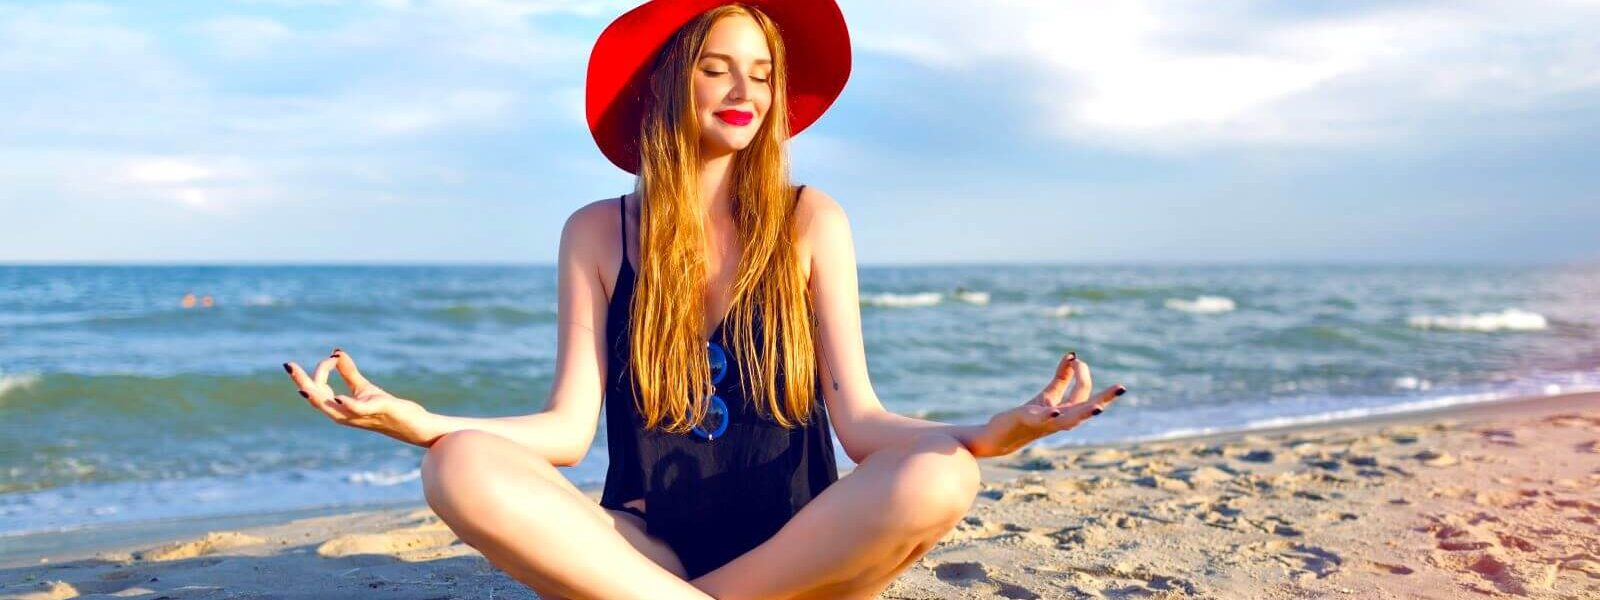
(732, 85)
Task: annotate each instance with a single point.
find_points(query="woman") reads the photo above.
(731, 491)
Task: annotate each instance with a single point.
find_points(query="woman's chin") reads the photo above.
(724, 147)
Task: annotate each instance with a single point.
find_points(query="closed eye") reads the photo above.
(720, 73)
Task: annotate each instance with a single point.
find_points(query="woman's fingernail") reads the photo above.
(1055, 413)
(1121, 390)
(286, 369)
(1098, 411)
(1072, 356)
(303, 394)
(336, 400)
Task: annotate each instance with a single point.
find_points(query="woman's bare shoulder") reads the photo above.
(591, 234)
(820, 222)
(815, 203)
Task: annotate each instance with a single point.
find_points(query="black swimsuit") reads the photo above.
(711, 500)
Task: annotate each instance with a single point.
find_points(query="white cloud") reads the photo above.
(1163, 74)
(243, 37)
(165, 171)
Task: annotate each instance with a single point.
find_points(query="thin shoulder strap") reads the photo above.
(797, 192)
(622, 208)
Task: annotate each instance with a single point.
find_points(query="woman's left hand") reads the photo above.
(1046, 413)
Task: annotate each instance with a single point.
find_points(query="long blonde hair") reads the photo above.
(668, 355)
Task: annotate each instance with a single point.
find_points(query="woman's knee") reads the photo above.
(935, 483)
(465, 468)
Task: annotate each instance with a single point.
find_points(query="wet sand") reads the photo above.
(1475, 501)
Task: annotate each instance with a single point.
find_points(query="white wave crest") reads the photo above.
(16, 382)
(1510, 319)
(1408, 382)
(262, 300)
(973, 297)
(384, 477)
(1064, 311)
(1202, 305)
(902, 300)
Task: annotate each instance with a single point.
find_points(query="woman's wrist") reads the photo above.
(429, 427)
(977, 439)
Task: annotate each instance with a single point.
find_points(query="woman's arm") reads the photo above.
(564, 430)
(863, 426)
(859, 418)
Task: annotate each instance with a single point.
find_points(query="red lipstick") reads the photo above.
(735, 117)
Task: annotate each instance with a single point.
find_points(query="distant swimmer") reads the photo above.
(188, 300)
(206, 301)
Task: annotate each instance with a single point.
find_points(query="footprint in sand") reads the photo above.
(1504, 437)
(976, 528)
(971, 574)
(395, 542)
(1588, 564)
(213, 542)
(1276, 525)
(1403, 434)
(1392, 569)
(1572, 420)
(1304, 560)
(1434, 458)
(1143, 582)
(1334, 516)
(1506, 575)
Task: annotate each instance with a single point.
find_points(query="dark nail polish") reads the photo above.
(1055, 413)
(305, 395)
(1121, 390)
(1098, 411)
(1072, 356)
(287, 369)
(338, 401)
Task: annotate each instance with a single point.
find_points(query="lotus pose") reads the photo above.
(714, 310)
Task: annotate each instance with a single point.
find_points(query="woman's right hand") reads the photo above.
(366, 407)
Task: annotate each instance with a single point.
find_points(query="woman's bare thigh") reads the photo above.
(485, 512)
(634, 530)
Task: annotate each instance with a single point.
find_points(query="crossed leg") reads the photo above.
(857, 536)
(517, 509)
(850, 541)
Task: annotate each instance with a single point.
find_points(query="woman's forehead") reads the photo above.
(737, 38)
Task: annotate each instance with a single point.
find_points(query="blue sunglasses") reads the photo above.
(716, 421)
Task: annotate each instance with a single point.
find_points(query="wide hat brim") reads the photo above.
(617, 88)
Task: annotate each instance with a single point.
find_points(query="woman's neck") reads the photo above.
(716, 188)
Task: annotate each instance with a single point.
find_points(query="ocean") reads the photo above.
(119, 406)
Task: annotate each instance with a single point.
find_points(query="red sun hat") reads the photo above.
(617, 89)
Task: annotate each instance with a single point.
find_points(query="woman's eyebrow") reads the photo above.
(759, 61)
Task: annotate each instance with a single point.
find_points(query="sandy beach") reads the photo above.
(1474, 501)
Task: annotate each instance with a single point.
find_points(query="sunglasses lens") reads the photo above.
(719, 362)
(716, 421)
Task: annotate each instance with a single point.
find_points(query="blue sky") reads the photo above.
(975, 131)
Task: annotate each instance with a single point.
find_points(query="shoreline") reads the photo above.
(26, 549)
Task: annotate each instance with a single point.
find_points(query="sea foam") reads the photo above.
(973, 297)
(16, 382)
(1202, 305)
(891, 300)
(1510, 319)
(384, 477)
